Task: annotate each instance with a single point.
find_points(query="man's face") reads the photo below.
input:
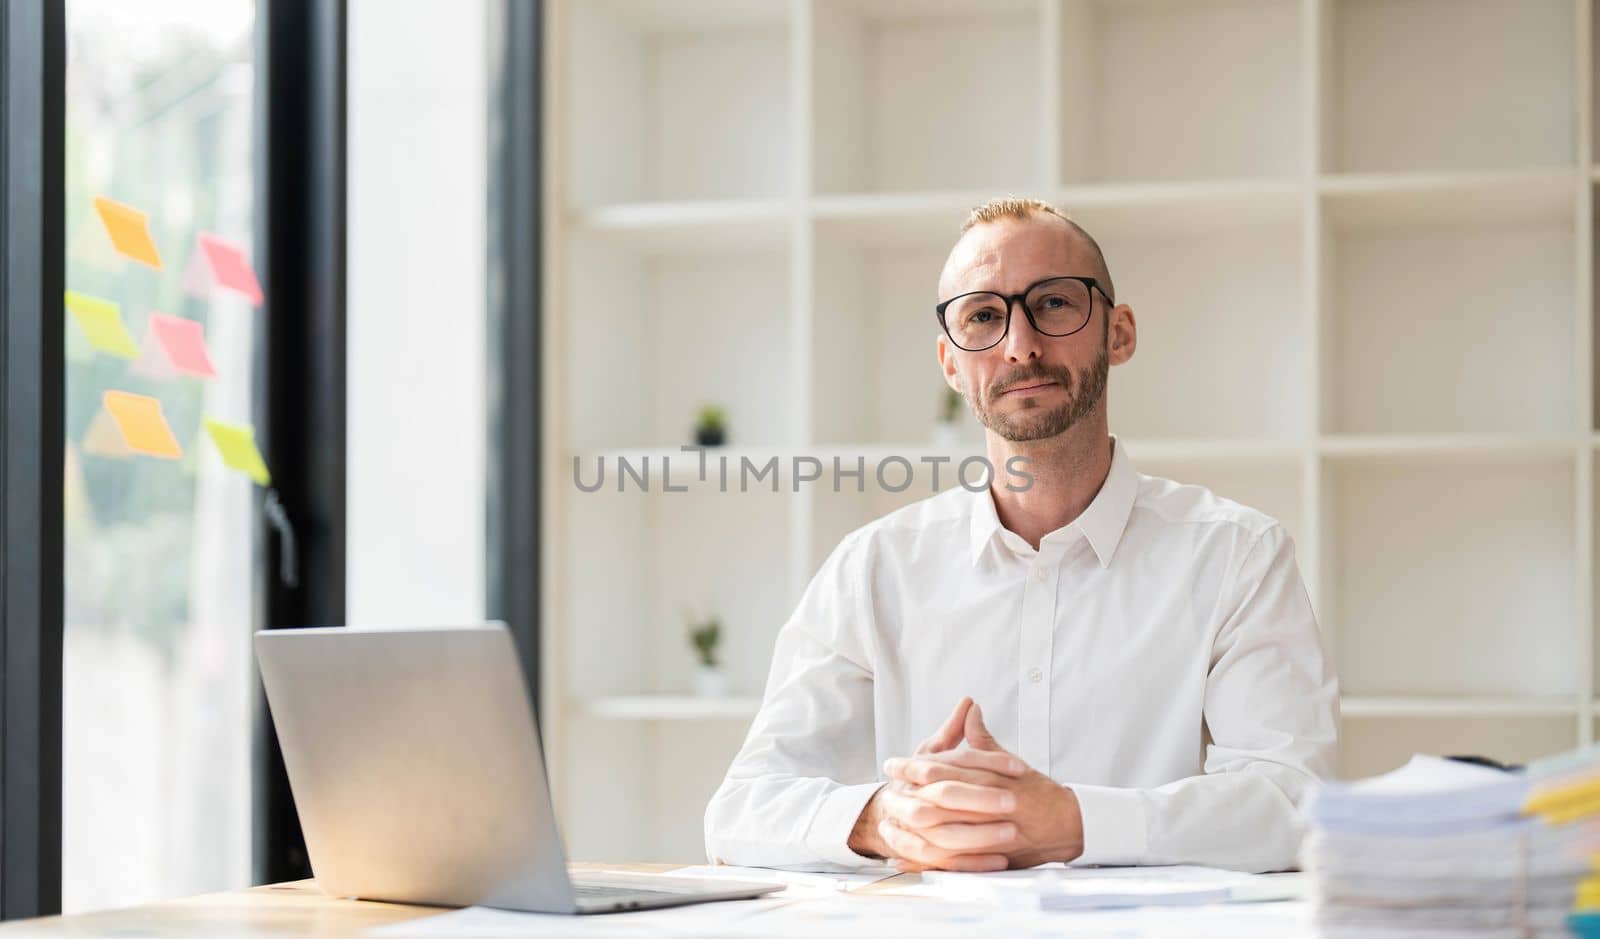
(1029, 386)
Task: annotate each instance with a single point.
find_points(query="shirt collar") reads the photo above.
(1102, 522)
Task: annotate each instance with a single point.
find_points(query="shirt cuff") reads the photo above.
(829, 835)
(1113, 825)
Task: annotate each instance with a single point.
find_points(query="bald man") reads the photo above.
(1098, 667)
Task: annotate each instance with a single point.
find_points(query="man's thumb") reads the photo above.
(978, 736)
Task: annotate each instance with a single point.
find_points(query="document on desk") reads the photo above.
(481, 922)
(1055, 887)
(797, 883)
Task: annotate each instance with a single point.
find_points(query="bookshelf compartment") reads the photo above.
(927, 96)
(1454, 578)
(632, 611)
(676, 102)
(654, 337)
(1168, 91)
(1450, 84)
(1458, 328)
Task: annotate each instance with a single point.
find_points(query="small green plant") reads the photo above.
(952, 405)
(705, 636)
(711, 429)
(712, 417)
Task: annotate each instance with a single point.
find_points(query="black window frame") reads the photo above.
(515, 345)
(32, 446)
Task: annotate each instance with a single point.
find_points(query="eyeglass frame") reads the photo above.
(1021, 299)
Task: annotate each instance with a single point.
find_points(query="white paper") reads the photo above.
(481, 922)
(796, 882)
(1054, 887)
(882, 917)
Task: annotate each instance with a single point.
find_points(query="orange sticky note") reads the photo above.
(104, 439)
(229, 267)
(183, 342)
(129, 229)
(144, 428)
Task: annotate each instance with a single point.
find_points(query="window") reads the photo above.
(159, 560)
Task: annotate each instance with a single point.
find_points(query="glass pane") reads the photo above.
(415, 381)
(158, 690)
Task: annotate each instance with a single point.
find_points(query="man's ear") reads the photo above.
(947, 361)
(1122, 334)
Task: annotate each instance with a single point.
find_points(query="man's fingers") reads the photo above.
(959, 836)
(977, 734)
(949, 733)
(967, 797)
(915, 814)
(977, 863)
(971, 863)
(913, 852)
(995, 761)
(907, 844)
(996, 769)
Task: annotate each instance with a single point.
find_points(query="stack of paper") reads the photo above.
(1444, 847)
(1566, 796)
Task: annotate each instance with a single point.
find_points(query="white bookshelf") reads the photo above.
(1358, 235)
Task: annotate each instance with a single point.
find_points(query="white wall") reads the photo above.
(417, 169)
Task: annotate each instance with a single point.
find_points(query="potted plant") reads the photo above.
(709, 679)
(945, 431)
(711, 428)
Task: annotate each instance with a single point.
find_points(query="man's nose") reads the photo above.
(1022, 341)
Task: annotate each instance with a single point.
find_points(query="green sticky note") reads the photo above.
(237, 444)
(101, 322)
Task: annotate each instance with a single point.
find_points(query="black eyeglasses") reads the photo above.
(1055, 306)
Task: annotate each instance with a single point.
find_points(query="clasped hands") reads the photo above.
(974, 809)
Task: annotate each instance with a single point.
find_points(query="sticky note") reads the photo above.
(183, 343)
(197, 276)
(143, 426)
(104, 439)
(237, 444)
(129, 229)
(90, 246)
(229, 267)
(101, 322)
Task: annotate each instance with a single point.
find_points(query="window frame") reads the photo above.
(32, 445)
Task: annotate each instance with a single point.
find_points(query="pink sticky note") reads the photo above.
(184, 342)
(229, 267)
(197, 276)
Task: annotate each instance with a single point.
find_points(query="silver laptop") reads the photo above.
(417, 773)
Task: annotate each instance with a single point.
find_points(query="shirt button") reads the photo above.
(1041, 575)
(1034, 675)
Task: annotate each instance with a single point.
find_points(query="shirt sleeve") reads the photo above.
(1271, 716)
(808, 765)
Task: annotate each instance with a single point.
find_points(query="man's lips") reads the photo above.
(1034, 386)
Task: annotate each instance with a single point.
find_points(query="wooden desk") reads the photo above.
(272, 912)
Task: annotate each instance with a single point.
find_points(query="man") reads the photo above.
(1134, 666)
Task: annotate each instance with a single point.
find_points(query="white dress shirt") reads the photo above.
(1158, 656)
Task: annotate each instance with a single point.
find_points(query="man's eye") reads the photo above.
(979, 317)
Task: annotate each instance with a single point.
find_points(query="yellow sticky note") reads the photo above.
(129, 229)
(101, 322)
(144, 428)
(237, 444)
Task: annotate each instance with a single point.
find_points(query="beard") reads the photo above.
(1084, 391)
